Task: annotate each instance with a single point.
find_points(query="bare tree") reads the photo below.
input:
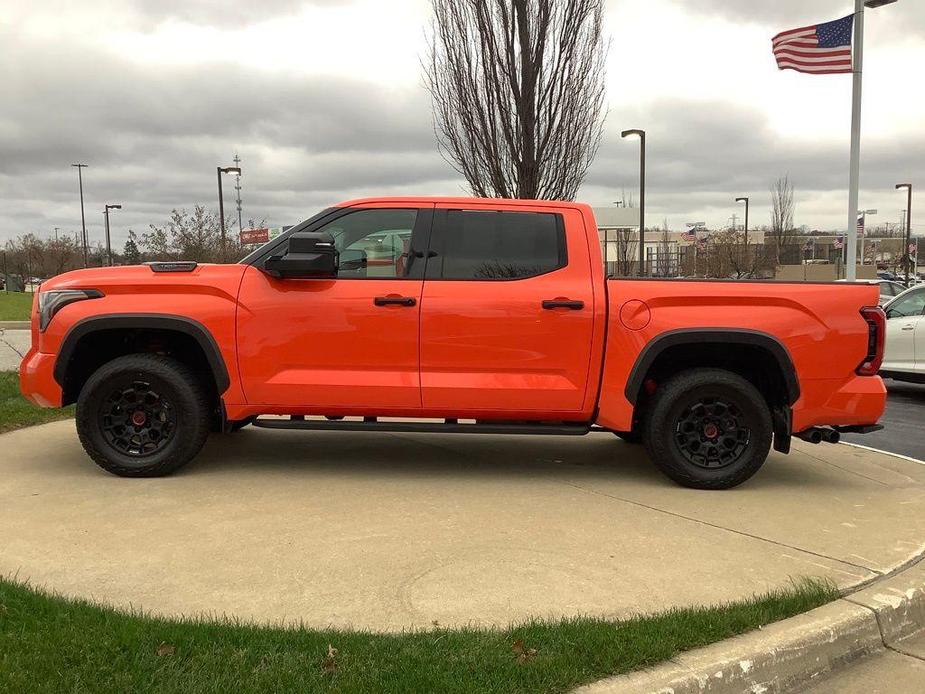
(782, 210)
(518, 93)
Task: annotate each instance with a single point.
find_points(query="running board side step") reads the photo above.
(447, 427)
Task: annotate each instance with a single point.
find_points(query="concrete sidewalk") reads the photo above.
(388, 531)
(13, 346)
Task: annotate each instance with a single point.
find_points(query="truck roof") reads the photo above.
(444, 200)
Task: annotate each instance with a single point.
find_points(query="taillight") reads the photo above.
(876, 334)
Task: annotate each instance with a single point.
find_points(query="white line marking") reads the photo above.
(877, 450)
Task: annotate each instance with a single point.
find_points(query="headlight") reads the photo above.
(53, 301)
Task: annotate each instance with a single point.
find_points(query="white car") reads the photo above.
(904, 357)
(888, 289)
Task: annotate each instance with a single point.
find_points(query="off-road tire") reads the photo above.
(181, 394)
(669, 415)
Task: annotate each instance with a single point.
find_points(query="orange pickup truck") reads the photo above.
(452, 315)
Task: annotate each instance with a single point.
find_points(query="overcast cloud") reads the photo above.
(323, 101)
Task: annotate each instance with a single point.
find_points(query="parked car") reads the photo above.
(904, 354)
(888, 290)
(489, 316)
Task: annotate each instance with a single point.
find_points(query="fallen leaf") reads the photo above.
(522, 653)
(329, 662)
(165, 649)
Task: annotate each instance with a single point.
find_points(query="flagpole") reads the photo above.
(855, 166)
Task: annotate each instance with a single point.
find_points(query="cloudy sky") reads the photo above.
(323, 100)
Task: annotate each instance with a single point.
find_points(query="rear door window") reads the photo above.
(496, 245)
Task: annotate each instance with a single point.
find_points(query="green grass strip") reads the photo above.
(15, 305)
(17, 412)
(50, 644)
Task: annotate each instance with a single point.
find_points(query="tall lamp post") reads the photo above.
(642, 195)
(108, 246)
(83, 222)
(908, 187)
(221, 202)
(745, 200)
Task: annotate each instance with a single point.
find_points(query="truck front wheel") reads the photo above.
(143, 415)
(708, 429)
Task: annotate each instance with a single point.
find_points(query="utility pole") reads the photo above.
(735, 221)
(56, 234)
(83, 221)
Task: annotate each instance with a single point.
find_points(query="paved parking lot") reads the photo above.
(904, 422)
(388, 531)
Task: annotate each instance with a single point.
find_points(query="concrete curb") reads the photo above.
(15, 325)
(793, 653)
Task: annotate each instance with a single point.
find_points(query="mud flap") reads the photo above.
(782, 423)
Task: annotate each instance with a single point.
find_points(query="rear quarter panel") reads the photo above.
(819, 325)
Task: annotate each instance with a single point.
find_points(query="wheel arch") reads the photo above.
(190, 331)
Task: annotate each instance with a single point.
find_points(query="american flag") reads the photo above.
(820, 49)
(689, 235)
(861, 219)
(838, 244)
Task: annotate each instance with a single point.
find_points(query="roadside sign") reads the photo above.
(252, 237)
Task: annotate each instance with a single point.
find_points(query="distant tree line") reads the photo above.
(187, 235)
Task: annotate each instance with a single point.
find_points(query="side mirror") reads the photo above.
(309, 256)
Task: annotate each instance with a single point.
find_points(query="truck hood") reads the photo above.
(142, 279)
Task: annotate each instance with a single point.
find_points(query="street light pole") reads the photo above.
(642, 196)
(221, 202)
(745, 200)
(83, 222)
(108, 246)
(908, 187)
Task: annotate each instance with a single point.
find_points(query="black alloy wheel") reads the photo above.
(712, 433)
(137, 420)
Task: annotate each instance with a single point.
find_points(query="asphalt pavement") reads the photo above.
(904, 422)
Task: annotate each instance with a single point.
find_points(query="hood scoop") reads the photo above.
(172, 265)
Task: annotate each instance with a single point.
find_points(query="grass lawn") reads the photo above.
(49, 644)
(15, 305)
(17, 412)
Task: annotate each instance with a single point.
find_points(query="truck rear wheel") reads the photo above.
(143, 415)
(708, 429)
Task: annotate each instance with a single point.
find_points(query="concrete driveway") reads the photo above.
(388, 531)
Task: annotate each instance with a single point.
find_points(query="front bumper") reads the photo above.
(37, 381)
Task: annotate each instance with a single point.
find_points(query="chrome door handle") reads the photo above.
(909, 327)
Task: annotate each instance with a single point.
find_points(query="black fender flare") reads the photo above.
(158, 321)
(725, 336)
